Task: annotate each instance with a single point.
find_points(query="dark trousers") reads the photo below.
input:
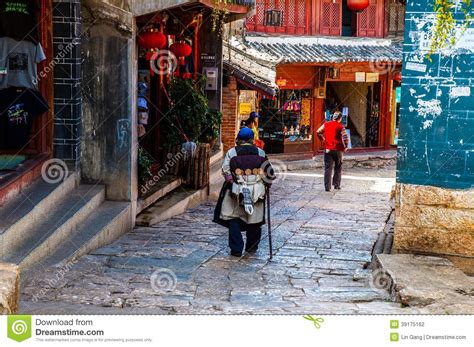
(236, 242)
(332, 159)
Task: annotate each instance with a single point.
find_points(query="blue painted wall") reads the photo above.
(436, 145)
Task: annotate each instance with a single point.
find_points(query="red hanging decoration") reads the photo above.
(181, 50)
(152, 40)
(358, 5)
(397, 77)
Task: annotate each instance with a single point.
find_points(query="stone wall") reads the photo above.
(435, 209)
(109, 98)
(230, 124)
(436, 221)
(436, 146)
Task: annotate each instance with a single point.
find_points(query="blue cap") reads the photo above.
(253, 115)
(245, 134)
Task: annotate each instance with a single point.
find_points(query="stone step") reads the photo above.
(43, 236)
(172, 205)
(180, 200)
(106, 224)
(28, 208)
(430, 283)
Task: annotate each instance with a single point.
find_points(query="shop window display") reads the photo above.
(20, 53)
(285, 123)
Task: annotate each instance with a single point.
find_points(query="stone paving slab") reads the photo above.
(182, 266)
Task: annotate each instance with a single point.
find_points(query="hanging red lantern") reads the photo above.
(152, 40)
(397, 77)
(181, 50)
(358, 5)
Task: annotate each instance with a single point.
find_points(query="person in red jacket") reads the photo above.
(336, 142)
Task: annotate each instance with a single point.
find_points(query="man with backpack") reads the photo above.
(336, 143)
(241, 205)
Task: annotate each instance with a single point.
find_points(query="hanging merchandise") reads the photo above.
(143, 118)
(142, 105)
(18, 107)
(19, 59)
(142, 89)
(141, 130)
(18, 20)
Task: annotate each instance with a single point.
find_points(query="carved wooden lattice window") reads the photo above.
(367, 20)
(280, 16)
(274, 18)
(395, 17)
(331, 17)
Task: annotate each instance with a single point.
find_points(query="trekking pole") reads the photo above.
(269, 224)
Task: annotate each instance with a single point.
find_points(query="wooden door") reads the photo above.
(331, 17)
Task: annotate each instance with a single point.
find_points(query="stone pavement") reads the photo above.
(321, 240)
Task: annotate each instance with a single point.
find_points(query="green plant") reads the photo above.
(186, 118)
(145, 161)
(445, 32)
(218, 15)
(212, 127)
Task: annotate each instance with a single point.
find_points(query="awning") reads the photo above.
(255, 70)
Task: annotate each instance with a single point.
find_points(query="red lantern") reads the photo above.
(181, 50)
(397, 77)
(358, 5)
(152, 40)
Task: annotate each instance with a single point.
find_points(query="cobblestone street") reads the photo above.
(322, 241)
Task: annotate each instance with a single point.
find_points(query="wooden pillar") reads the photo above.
(316, 121)
(384, 133)
(43, 129)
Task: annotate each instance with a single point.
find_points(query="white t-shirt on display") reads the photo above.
(19, 60)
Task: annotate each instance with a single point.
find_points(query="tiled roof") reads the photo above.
(306, 49)
(250, 66)
(254, 59)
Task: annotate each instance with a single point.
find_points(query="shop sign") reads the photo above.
(3, 71)
(372, 77)
(208, 59)
(245, 108)
(360, 76)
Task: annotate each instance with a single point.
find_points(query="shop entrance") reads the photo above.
(360, 104)
(285, 122)
(26, 92)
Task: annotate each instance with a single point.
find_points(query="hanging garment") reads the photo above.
(18, 107)
(142, 89)
(143, 118)
(19, 59)
(18, 19)
(142, 105)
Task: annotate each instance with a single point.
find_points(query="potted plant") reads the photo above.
(212, 127)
